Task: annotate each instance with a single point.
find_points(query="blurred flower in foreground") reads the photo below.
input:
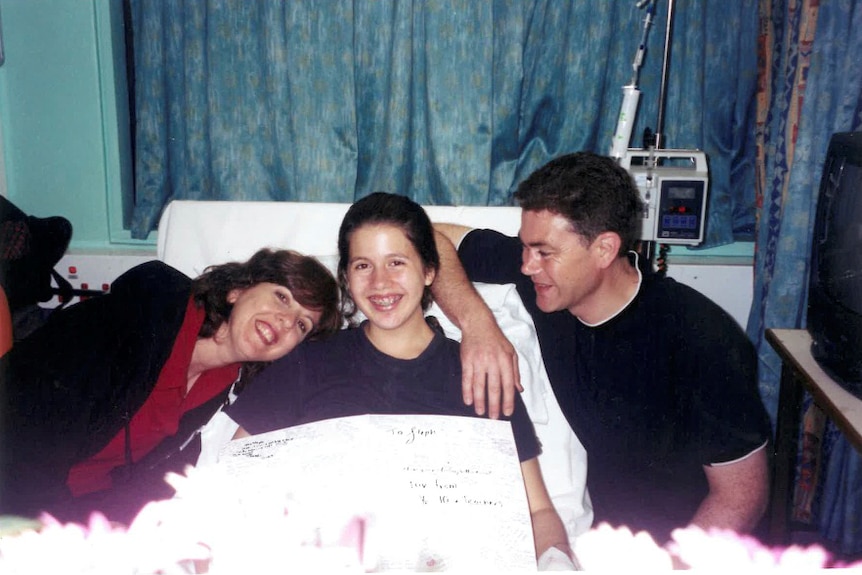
(96, 548)
(212, 524)
(615, 549)
(216, 525)
(723, 548)
(620, 551)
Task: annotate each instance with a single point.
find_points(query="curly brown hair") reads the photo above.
(309, 281)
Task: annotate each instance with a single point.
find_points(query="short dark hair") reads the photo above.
(394, 209)
(308, 280)
(594, 193)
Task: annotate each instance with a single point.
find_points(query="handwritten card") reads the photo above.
(440, 492)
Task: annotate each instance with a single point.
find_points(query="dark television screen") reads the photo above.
(834, 317)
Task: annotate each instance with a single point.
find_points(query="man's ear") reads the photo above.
(607, 248)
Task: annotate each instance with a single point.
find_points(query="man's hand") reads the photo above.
(489, 370)
(489, 363)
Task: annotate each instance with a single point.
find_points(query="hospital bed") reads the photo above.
(196, 234)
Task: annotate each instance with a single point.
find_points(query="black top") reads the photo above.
(71, 386)
(654, 394)
(346, 375)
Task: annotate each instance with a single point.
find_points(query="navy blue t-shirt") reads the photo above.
(654, 394)
(346, 375)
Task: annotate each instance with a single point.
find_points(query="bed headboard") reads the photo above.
(193, 234)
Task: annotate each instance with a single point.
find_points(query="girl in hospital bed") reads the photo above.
(103, 399)
(393, 362)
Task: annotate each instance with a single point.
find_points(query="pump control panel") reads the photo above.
(673, 185)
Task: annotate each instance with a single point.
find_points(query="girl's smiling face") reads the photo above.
(386, 278)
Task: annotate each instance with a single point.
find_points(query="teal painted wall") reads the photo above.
(65, 140)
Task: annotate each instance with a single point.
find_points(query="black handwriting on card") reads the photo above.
(411, 435)
(262, 449)
(447, 468)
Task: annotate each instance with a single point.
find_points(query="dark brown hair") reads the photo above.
(594, 193)
(310, 283)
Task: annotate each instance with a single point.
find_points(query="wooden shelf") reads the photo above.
(794, 347)
(800, 372)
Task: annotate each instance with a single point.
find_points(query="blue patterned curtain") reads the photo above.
(811, 87)
(447, 101)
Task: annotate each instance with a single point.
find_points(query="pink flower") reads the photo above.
(620, 551)
(211, 520)
(96, 548)
(231, 529)
(729, 550)
(610, 549)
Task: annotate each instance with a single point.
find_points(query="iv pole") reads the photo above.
(658, 137)
(631, 94)
(662, 96)
(628, 110)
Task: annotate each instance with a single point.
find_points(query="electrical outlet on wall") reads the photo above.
(93, 272)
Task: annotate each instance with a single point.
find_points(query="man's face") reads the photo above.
(563, 267)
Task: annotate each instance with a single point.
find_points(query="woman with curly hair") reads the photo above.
(106, 397)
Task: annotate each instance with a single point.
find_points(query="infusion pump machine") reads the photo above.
(673, 186)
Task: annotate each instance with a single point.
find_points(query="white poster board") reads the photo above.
(440, 492)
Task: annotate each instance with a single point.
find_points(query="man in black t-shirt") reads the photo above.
(657, 381)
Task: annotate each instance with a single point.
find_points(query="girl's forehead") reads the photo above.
(379, 231)
(382, 241)
(378, 226)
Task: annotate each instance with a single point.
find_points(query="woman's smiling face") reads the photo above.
(266, 322)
